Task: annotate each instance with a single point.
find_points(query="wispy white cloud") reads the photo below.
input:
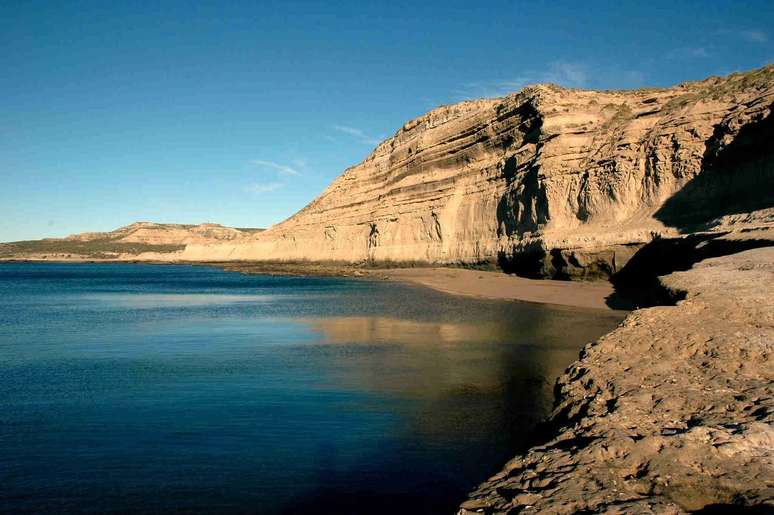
(358, 134)
(568, 74)
(491, 88)
(280, 168)
(299, 164)
(564, 73)
(633, 78)
(688, 53)
(264, 187)
(754, 35)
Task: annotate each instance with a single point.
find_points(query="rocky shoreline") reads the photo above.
(673, 412)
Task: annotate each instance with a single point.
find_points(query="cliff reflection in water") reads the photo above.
(514, 360)
(471, 379)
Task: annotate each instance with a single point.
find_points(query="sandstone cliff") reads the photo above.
(673, 412)
(548, 181)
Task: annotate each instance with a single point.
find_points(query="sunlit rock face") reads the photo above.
(548, 181)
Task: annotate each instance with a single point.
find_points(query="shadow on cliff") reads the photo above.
(637, 284)
(523, 208)
(735, 178)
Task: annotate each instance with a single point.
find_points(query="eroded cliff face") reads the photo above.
(548, 181)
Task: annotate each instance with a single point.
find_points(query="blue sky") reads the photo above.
(242, 112)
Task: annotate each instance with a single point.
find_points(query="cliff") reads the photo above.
(548, 181)
(672, 412)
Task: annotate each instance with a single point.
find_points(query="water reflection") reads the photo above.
(461, 391)
(170, 300)
(432, 359)
(374, 330)
(409, 357)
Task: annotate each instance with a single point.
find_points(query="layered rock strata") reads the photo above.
(672, 412)
(548, 181)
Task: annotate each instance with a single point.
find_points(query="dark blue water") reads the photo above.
(142, 388)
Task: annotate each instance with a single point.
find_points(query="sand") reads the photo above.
(497, 285)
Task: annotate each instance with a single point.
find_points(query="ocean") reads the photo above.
(187, 389)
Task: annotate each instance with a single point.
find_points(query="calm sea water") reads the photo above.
(142, 388)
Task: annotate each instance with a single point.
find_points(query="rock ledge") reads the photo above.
(672, 412)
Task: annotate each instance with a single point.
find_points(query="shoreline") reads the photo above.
(460, 281)
(501, 286)
(659, 415)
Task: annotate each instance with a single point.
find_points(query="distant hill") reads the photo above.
(125, 242)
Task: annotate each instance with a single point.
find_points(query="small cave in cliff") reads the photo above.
(737, 178)
(527, 262)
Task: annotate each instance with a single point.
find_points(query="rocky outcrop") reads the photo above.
(672, 412)
(548, 181)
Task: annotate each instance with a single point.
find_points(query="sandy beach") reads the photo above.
(497, 285)
(483, 284)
